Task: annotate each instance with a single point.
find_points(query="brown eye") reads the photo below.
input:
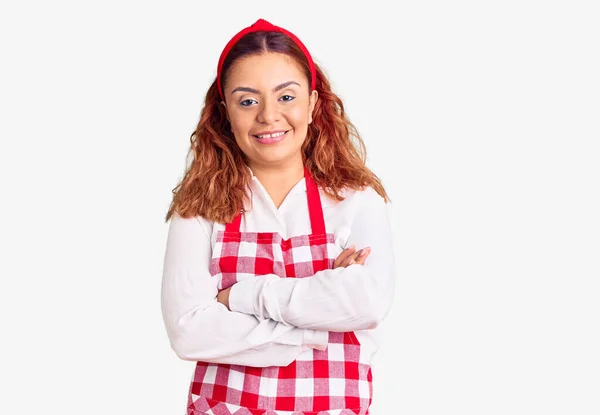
(287, 98)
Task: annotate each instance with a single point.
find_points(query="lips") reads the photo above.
(270, 137)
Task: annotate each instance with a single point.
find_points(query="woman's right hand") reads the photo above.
(350, 256)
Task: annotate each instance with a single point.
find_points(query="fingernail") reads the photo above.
(363, 252)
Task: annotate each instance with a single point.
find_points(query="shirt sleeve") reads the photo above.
(202, 329)
(357, 297)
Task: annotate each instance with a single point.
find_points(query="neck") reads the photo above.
(279, 180)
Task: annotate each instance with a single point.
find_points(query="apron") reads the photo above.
(330, 382)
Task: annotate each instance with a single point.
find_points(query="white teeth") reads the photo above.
(271, 135)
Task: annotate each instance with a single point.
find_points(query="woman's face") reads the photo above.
(269, 108)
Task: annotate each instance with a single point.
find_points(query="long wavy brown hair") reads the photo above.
(216, 180)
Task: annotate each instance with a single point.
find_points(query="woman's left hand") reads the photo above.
(350, 256)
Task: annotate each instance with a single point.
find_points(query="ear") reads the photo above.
(312, 101)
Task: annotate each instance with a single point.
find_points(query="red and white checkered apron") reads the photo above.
(329, 382)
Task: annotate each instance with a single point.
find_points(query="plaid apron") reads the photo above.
(330, 382)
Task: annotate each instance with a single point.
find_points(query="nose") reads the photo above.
(269, 112)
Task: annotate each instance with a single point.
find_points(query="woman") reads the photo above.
(279, 260)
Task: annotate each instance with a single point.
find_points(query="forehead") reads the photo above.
(266, 69)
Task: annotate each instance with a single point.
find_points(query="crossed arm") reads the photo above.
(357, 295)
(268, 323)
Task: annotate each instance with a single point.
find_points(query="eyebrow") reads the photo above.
(256, 91)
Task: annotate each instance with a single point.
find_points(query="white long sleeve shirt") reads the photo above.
(272, 319)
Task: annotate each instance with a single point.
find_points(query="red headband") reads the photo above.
(263, 25)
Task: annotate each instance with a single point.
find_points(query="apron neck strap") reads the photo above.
(315, 209)
(234, 225)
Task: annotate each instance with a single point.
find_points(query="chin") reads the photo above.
(275, 157)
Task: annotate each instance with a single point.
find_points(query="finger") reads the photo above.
(346, 253)
(362, 257)
(351, 259)
(359, 257)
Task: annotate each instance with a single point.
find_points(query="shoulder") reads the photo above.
(357, 200)
(358, 205)
(194, 224)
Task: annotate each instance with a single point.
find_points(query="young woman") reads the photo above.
(279, 261)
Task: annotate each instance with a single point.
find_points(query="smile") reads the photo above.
(271, 137)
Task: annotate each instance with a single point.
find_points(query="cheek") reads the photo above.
(240, 124)
(298, 117)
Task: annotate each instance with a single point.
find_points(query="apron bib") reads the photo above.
(329, 382)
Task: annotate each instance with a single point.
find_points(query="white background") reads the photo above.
(482, 118)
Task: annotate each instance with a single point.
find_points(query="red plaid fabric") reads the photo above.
(237, 256)
(330, 382)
